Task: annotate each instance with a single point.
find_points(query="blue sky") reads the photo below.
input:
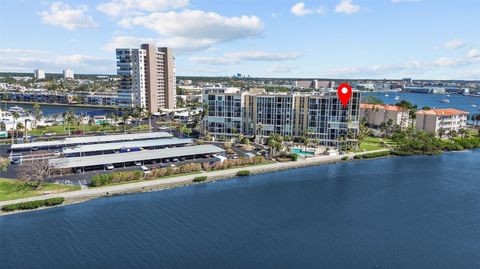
(422, 39)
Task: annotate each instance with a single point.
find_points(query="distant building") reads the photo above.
(38, 74)
(448, 119)
(68, 74)
(319, 116)
(148, 77)
(380, 113)
(422, 89)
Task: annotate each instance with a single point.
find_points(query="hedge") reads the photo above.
(345, 158)
(200, 179)
(243, 173)
(33, 204)
(375, 154)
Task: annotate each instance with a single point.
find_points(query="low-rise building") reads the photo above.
(447, 119)
(376, 114)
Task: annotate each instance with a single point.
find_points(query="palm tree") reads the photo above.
(149, 115)
(37, 113)
(452, 134)
(462, 132)
(15, 116)
(441, 132)
(69, 118)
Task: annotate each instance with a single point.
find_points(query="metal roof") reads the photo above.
(129, 144)
(133, 156)
(70, 141)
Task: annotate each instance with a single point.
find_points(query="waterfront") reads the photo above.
(457, 101)
(418, 211)
(49, 110)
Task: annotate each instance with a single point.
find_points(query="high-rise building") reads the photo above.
(38, 74)
(148, 78)
(316, 116)
(68, 74)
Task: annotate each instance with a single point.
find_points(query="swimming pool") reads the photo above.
(300, 151)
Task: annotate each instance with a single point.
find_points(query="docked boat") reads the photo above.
(16, 109)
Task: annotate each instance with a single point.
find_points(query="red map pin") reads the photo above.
(344, 93)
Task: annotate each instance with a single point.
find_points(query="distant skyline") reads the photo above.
(421, 39)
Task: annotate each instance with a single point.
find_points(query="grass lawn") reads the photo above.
(11, 189)
(59, 129)
(374, 143)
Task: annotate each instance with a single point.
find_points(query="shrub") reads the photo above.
(33, 204)
(243, 173)
(200, 179)
(345, 158)
(376, 154)
(357, 157)
(402, 152)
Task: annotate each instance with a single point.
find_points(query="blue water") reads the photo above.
(409, 212)
(433, 100)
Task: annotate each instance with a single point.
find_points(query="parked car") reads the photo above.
(137, 163)
(145, 169)
(172, 165)
(49, 134)
(15, 161)
(175, 160)
(109, 167)
(182, 159)
(166, 161)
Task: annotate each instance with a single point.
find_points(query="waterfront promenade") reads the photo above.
(164, 183)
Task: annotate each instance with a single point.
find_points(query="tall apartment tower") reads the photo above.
(68, 74)
(148, 78)
(38, 74)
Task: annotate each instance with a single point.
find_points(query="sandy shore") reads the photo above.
(166, 183)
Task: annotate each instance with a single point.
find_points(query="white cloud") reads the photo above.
(26, 60)
(60, 14)
(473, 53)
(347, 7)
(195, 29)
(135, 7)
(454, 44)
(446, 62)
(241, 56)
(280, 68)
(299, 9)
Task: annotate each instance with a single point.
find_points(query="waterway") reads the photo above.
(467, 103)
(408, 212)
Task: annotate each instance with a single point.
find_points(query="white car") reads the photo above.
(145, 169)
(137, 163)
(109, 167)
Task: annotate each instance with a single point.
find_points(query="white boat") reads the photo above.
(397, 97)
(445, 101)
(386, 95)
(16, 109)
(474, 105)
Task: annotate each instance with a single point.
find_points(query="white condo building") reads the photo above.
(38, 74)
(68, 74)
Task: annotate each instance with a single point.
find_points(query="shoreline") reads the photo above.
(84, 195)
(57, 104)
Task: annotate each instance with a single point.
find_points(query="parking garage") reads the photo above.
(124, 147)
(86, 140)
(97, 162)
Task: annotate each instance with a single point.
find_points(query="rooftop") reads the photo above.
(381, 106)
(133, 156)
(70, 141)
(129, 144)
(443, 112)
